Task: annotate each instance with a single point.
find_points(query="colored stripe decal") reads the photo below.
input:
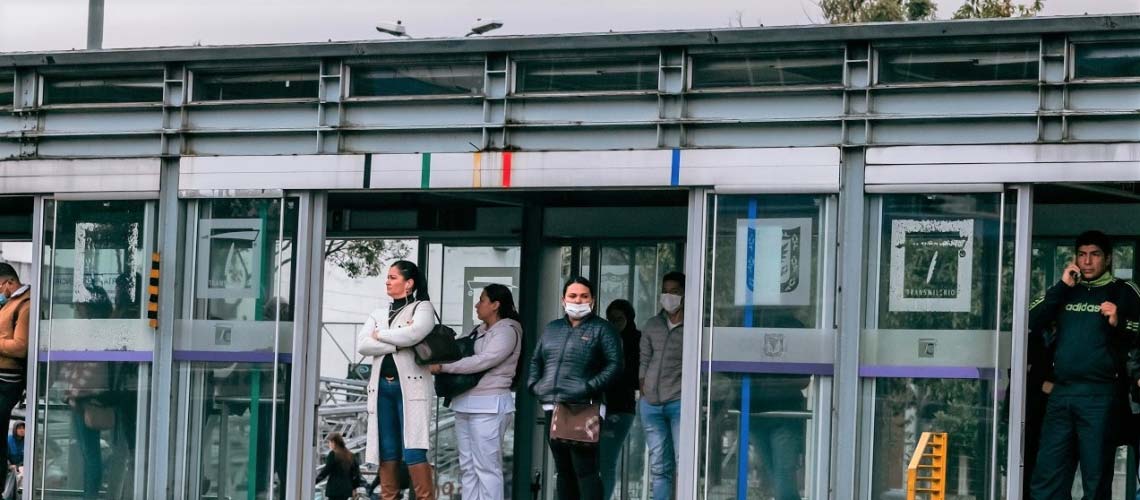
(425, 171)
(745, 379)
(152, 291)
(367, 170)
(507, 169)
(477, 171)
(675, 171)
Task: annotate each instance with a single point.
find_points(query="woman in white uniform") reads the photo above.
(400, 392)
(483, 414)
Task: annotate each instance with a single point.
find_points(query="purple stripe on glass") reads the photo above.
(969, 372)
(768, 367)
(109, 356)
(232, 356)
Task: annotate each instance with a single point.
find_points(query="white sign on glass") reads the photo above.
(773, 262)
(931, 265)
(229, 258)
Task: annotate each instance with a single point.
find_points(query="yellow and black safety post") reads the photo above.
(152, 292)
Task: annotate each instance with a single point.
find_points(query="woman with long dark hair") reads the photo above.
(341, 470)
(621, 398)
(400, 391)
(576, 360)
(483, 414)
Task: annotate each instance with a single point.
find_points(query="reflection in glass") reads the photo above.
(88, 89)
(385, 81)
(927, 65)
(91, 399)
(768, 70)
(1107, 60)
(7, 88)
(237, 85)
(764, 293)
(943, 283)
(587, 76)
(232, 349)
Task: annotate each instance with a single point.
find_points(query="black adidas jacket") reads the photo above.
(1089, 355)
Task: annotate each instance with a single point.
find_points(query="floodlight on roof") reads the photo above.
(397, 29)
(482, 26)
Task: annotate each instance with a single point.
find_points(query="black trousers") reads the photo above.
(1077, 428)
(10, 396)
(577, 468)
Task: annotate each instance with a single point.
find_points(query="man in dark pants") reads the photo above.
(15, 315)
(1095, 320)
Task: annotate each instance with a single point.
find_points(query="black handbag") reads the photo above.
(439, 346)
(450, 385)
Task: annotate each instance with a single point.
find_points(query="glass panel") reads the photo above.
(759, 376)
(768, 70)
(587, 76)
(7, 88)
(1107, 60)
(465, 271)
(924, 65)
(449, 79)
(95, 349)
(939, 296)
(145, 87)
(355, 271)
(232, 349)
(229, 86)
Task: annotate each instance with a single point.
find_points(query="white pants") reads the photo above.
(480, 437)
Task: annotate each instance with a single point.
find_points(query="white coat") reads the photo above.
(407, 329)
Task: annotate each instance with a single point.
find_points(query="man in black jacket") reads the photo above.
(1095, 318)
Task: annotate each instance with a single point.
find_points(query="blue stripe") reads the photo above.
(746, 379)
(675, 175)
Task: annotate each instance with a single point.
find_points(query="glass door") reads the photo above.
(456, 274)
(767, 358)
(96, 348)
(232, 349)
(936, 343)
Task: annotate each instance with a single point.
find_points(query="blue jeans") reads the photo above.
(390, 414)
(662, 425)
(779, 442)
(614, 432)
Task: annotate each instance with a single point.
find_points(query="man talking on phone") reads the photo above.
(1095, 318)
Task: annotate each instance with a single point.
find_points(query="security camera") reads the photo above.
(397, 29)
(482, 26)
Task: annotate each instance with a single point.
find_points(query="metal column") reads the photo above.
(845, 434)
(1021, 270)
(695, 253)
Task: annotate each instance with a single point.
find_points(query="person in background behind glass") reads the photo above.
(621, 398)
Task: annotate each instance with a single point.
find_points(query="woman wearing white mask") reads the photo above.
(576, 360)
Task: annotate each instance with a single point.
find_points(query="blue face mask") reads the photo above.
(3, 299)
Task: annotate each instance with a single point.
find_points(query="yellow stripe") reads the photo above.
(477, 171)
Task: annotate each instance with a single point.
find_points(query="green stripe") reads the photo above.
(425, 171)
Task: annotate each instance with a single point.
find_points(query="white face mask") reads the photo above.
(577, 311)
(671, 302)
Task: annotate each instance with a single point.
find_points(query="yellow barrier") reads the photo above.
(926, 474)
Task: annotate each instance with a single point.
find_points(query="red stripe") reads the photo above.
(506, 169)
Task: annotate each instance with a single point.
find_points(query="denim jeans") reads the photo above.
(612, 442)
(390, 414)
(662, 425)
(779, 442)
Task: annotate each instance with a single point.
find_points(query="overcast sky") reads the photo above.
(35, 25)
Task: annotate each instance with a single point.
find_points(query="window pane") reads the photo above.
(95, 347)
(250, 85)
(450, 79)
(768, 70)
(1106, 60)
(7, 88)
(109, 89)
(766, 262)
(938, 262)
(922, 65)
(587, 76)
(232, 349)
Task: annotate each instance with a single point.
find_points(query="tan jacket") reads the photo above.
(15, 316)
